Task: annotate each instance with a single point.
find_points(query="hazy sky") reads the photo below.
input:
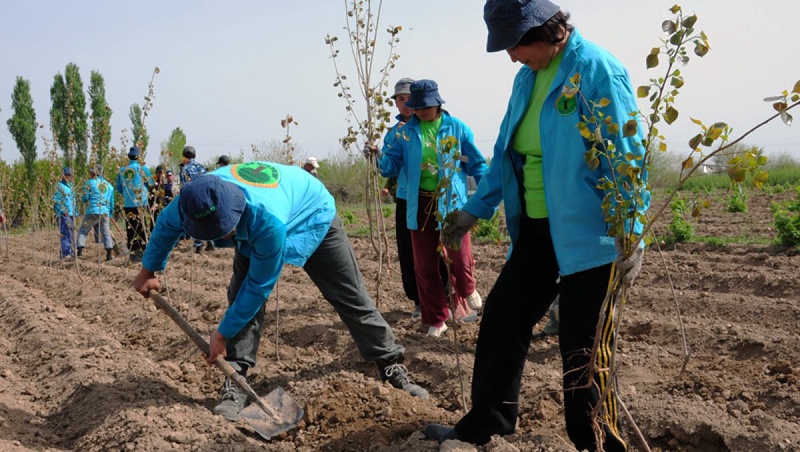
(230, 71)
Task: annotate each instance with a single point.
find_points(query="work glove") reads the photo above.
(370, 150)
(459, 223)
(631, 266)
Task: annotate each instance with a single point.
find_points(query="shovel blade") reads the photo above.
(285, 414)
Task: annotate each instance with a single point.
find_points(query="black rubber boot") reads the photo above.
(80, 251)
(109, 254)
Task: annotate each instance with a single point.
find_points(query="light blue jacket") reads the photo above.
(577, 227)
(287, 215)
(388, 142)
(403, 158)
(64, 199)
(132, 182)
(98, 195)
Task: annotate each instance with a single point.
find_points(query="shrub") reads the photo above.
(737, 202)
(787, 221)
(489, 230)
(348, 217)
(344, 178)
(680, 229)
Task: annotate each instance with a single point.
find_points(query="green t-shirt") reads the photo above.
(428, 180)
(528, 141)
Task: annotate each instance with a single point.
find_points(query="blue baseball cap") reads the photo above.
(67, 171)
(424, 94)
(211, 207)
(509, 20)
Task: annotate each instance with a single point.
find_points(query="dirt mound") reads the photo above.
(89, 365)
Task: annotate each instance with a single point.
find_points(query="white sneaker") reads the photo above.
(437, 332)
(475, 301)
(471, 317)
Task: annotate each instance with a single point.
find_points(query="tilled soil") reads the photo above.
(86, 364)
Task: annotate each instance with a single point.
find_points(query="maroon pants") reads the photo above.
(432, 294)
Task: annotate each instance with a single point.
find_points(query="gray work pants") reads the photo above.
(89, 220)
(334, 270)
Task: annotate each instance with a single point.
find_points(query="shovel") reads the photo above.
(269, 416)
(119, 247)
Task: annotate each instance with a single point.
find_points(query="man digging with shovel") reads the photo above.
(273, 215)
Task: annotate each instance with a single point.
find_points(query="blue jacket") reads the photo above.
(388, 142)
(577, 227)
(132, 182)
(287, 215)
(403, 158)
(98, 195)
(64, 199)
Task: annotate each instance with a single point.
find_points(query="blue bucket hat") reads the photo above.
(133, 152)
(211, 207)
(509, 20)
(424, 94)
(67, 171)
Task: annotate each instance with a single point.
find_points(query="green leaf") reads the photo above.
(796, 88)
(700, 49)
(689, 21)
(644, 91)
(630, 128)
(670, 115)
(688, 163)
(695, 141)
(652, 61)
(603, 102)
(584, 131)
(762, 160)
(740, 175)
(591, 159)
(677, 82)
(676, 38)
(668, 26)
(613, 128)
(662, 146)
(675, 9)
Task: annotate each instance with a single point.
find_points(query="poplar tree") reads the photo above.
(22, 126)
(79, 119)
(140, 136)
(68, 117)
(172, 149)
(101, 117)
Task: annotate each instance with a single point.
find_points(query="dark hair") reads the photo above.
(550, 32)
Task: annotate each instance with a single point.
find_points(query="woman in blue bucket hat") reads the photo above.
(560, 242)
(432, 146)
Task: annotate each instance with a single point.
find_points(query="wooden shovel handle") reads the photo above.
(201, 343)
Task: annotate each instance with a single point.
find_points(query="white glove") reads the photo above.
(370, 150)
(456, 227)
(631, 266)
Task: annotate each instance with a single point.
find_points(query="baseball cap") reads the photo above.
(313, 162)
(211, 207)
